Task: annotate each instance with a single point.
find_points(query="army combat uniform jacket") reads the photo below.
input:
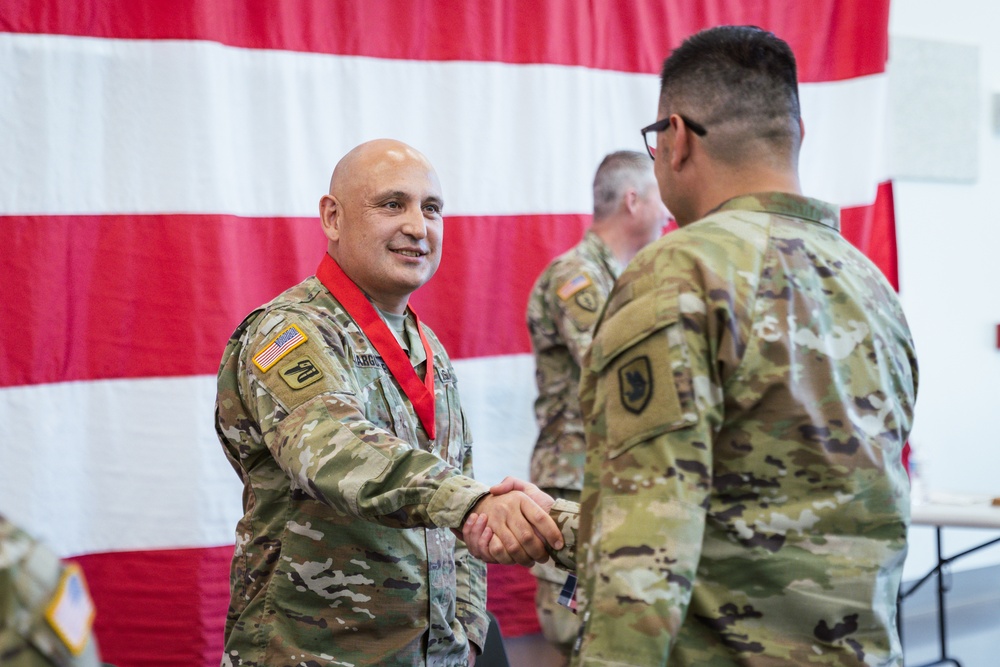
(344, 554)
(747, 395)
(46, 612)
(562, 310)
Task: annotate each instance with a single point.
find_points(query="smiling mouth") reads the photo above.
(410, 253)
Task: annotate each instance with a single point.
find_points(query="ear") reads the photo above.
(681, 149)
(631, 200)
(802, 130)
(330, 215)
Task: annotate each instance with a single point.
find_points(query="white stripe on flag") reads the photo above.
(135, 464)
(268, 127)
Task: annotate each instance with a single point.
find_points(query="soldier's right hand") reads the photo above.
(518, 527)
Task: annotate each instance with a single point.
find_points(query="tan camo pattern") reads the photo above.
(561, 317)
(747, 395)
(345, 555)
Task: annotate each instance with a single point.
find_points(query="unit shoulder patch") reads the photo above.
(587, 299)
(635, 381)
(574, 285)
(71, 611)
(286, 341)
(300, 372)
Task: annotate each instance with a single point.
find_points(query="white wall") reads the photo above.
(949, 249)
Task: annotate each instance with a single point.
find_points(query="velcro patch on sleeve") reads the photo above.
(579, 282)
(71, 611)
(300, 372)
(283, 343)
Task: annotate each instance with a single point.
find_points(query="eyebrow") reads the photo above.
(400, 194)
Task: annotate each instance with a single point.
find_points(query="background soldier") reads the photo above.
(340, 412)
(563, 307)
(746, 395)
(46, 612)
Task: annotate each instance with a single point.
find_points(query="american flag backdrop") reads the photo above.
(161, 162)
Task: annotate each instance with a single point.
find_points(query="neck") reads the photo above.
(727, 184)
(613, 234)
(388, 305)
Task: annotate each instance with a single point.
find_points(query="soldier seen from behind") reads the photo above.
(746, 398)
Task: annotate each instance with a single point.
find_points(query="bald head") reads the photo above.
(383, 220)
(366, 159)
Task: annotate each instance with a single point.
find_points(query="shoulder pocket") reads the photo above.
(644, 372)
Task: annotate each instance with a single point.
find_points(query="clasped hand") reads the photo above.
(512, 525)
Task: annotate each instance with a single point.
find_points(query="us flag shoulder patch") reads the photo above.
(71, 611)
(286, 341)
(573, 286)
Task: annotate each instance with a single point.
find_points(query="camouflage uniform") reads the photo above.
(563, 307)
(747, 395)
(562, 310)
(33, 582)
(344, 555)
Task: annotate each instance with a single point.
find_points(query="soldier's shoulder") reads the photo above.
(44, 587)
(308, 303)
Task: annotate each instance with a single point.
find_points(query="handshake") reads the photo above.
(512, 525)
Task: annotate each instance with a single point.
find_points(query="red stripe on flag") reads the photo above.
(160, 608)
(511, 588)
(176, 600)
(832, 39)
(125, 296)
(872, 230)
(158, 295)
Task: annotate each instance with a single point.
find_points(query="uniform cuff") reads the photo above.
(475, 622)
(566, 514)
(454, 499)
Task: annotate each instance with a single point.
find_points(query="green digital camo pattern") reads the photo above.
(746, 397)
(29, 579)
(344, 555)
(560, 329)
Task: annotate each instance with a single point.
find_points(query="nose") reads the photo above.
(415, 226)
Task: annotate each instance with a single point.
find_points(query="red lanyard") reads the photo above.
(421, 394)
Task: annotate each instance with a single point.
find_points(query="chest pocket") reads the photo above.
(451, 435)
(379, 397)
(644, 372)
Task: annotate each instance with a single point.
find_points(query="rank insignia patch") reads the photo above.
(587, 300)
(573, 286)
(71, 612)
(635, 382)
(285, 342)
(300, 373)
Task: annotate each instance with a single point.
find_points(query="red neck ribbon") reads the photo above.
(350, 296)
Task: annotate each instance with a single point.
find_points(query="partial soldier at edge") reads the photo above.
(46, 612)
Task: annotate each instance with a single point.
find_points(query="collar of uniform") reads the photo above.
(784, 203)
(415, 348)
(603, 252)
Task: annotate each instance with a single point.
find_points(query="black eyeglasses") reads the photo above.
(661, 125)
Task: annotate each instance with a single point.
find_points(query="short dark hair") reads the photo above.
(740, 81)
(617, 172)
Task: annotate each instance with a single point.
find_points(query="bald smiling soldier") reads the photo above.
(339, 410)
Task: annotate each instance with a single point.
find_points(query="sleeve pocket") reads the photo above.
(644, 372)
